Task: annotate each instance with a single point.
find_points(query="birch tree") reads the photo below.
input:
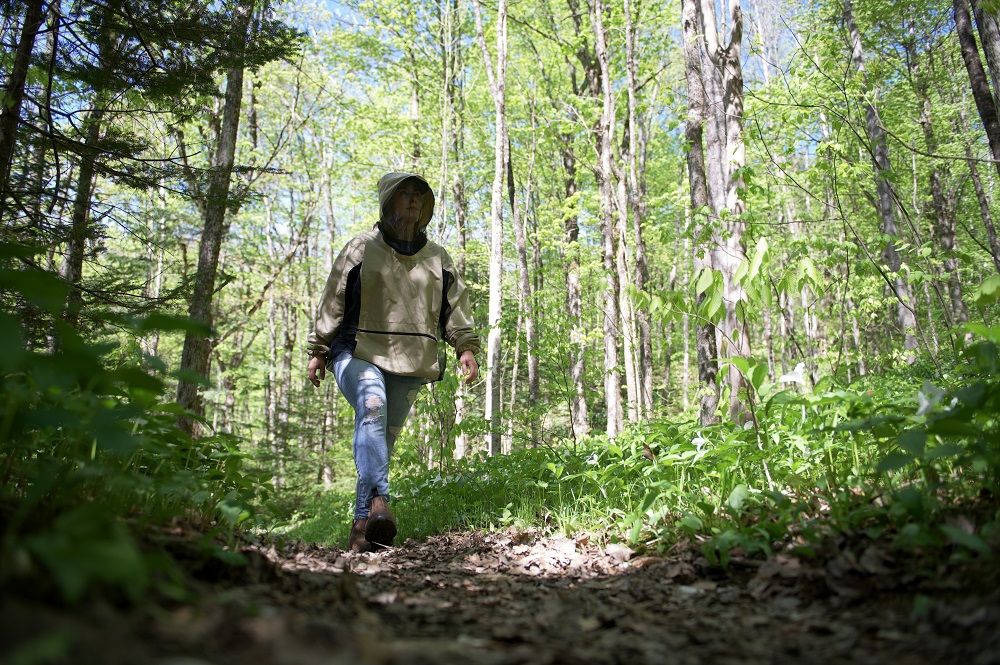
(498, 88)
(727, 246)
(698, 184)
(609, 230)
(637, 206)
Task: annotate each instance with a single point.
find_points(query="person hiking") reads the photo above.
(390, 296)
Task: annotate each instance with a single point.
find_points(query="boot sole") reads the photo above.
(381, 530)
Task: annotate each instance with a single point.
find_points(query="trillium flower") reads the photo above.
(797, 375)
(699, 442)
(928, 397)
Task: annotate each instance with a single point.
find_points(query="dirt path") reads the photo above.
(518, 598)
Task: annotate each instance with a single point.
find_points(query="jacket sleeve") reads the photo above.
(459, 329)
(330, 312)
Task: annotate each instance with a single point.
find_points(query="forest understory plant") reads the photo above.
(95, 472)
(890, 456)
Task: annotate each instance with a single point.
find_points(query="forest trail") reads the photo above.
(522, 598)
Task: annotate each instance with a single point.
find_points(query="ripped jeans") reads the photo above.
(381, 403)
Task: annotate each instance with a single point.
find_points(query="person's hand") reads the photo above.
(317, 363)
(470, 368)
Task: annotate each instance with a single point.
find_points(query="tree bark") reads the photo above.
(498, 87)
(989, 35)
(527, 299)
(944, 217)
(13, 92)
(605, 177)
(80, 220)
(728, 251)
(197, 348)
(886, 200)
(981, 197)
(455, 100)
(696, 115)
(637, 204)
(977, 78)
(579, 421)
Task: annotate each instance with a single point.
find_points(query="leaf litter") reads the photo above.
(524, 597)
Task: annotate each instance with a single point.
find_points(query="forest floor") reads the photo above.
(514, 597)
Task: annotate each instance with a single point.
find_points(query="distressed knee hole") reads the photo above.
(411, 396)
(367, 375)
(373, 409)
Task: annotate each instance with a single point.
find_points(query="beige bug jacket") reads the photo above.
(406, 301)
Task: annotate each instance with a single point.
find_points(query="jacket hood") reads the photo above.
(390, 182)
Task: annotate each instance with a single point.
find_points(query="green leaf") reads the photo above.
(757, 376)
(991, 334)
(953, 425)
(86, 546)
(704, 281)
(944, 450)
(913, 441)
(193, 377)
(635, 531)
(11, 342)
(760, 251)
(42, 289)
(741, 364)
(894, 461)
(967, 540)
(647, 501)
(168, 323)
(691, 524)
(988, 292)
(738, 496)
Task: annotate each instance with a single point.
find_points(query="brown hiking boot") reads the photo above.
(357, 541)
(381, 527)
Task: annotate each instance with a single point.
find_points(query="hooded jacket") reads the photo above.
(403, 302)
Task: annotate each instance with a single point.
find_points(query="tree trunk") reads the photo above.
(80, 224)
(41, 149)
(944, 217)
(414, 111)
(197, 348)
(527, 300)
(605, 176)
(696, 115)
(579, 421)
(886, 200)
(637, 204)
(498, 87)
(627, 325)
(989, 35)
(981, 197)
(13, 92)
(456, 129)
(728, 252)
(977, 78)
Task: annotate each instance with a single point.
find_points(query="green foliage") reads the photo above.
(871, 456)
(91, 457)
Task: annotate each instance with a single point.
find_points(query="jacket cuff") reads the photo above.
(462, 348)
(318, 351)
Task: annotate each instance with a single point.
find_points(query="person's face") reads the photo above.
(407, 202)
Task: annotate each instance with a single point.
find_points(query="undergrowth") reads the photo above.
(892, 455)
(93, 465)
(92, 461)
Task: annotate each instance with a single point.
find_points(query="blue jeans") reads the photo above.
(381, 403)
